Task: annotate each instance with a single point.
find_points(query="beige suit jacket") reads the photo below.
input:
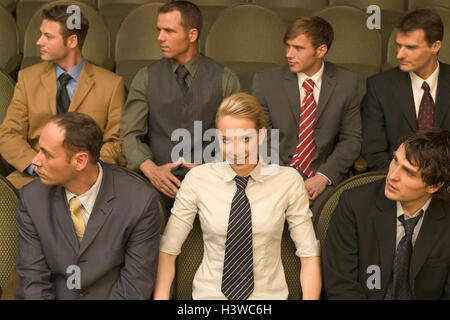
(99, 94)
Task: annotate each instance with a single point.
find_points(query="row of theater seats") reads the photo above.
(245, 37)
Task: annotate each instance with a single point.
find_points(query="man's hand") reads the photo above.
(187, 164)
(315, 186)
(161, 177)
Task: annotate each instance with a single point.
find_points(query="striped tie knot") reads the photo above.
(308, 84)
(241, 182)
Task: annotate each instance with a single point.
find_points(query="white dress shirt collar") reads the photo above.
(317, 78)
(88, 198)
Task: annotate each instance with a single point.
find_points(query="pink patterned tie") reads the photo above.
(306, 148)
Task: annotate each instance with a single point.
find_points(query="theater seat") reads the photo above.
(9, 248)
(9, 41)
(328, 206)
(247, 38)
(355, 47)
(413, 4)
(141, 49)
(390, 11)
(289, 10)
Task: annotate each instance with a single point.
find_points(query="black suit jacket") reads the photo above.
(388, 113)
(118, 254)
(362, 233)
(337, 129)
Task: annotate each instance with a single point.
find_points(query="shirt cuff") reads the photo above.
(329, 181)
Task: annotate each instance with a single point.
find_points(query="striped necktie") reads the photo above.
(237, 279)
(306, 147)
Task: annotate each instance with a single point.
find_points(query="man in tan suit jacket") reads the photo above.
(91, 90)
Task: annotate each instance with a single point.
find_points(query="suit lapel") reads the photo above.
(442, 98)
(292, 93)
(101, 209)
(429, 233)
(84, 85)
(385, 229)
(326, 88)
(405, 99)
(48, 81)
(62, 214)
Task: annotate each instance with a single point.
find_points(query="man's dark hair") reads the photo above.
(429, 150)
(191, 16)
(81, 134)
(59, 14)
(427, 20)
(316, 28)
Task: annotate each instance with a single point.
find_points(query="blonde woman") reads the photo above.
(242, 205)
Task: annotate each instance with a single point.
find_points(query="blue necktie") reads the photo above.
(400, 288)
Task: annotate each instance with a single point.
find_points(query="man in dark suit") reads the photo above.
(415, 95)
(87, 230)
(389, 239)
(38, 94)
(315, 106)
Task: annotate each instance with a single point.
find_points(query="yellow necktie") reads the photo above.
(75, 207)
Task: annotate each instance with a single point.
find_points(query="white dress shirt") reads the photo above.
(88, 198)
(401, 229)
(417, 90)
(209, 189)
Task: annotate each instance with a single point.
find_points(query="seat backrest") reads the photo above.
(102, 3)
(96, 45)
(141, 24)
(329, 205)
(311, 5)
(444, 52)
(9, 37)
(389, 5)
(9, 5)
(246, 33)
(191, 256)
(355, 46)
(6, 92)
(134, 52)
(9, 248)
(412, 4)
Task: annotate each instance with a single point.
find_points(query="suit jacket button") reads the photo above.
(290, 156)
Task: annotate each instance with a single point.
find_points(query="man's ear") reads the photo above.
(433, 189)
(193, 35)
(321, 50)
(72, 41)
(81, 160)
(436, 46)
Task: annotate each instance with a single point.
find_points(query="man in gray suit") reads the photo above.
(315, 106)
(87, 229)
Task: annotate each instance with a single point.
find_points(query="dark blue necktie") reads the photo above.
(237, 279)
(400, 287)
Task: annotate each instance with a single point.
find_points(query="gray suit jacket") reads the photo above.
(118, 255)
(337, 129)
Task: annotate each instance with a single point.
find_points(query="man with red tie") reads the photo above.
(413, 96)
(315, 106)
